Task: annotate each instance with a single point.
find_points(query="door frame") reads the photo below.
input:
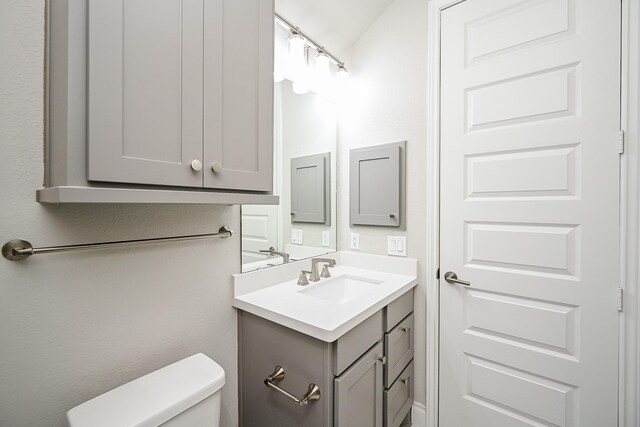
(629, 324)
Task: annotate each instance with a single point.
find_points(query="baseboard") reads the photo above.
(418, 415)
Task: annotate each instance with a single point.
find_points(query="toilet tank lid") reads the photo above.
(153, 399)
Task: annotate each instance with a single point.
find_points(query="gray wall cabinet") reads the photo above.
(162, 95)
(310, 189)
(358, 385)
(376, 185)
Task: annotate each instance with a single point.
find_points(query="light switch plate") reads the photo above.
(355, 240)
(296, 236)
(397, 245)
(326, 238)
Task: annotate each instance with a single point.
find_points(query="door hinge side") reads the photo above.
(621, 142)
(620, 299)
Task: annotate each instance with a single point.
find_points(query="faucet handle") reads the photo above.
(325, 271)
(302, 280)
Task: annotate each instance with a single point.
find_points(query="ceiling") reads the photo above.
(336, 24)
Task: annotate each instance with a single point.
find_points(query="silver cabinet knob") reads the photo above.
(392, 215)
(196, 165)
(216, 167)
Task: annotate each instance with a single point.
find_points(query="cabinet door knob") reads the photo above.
(382, 359)
(216, 167)
(196, 165)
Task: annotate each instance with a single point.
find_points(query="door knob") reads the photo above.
(196, 165)
(452, 277)
(392, 215)
(216, 167)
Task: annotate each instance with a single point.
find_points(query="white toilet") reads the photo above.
(184, 394)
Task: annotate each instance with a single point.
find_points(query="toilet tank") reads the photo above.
(184, 394)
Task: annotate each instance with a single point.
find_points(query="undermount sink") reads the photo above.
(340, 289)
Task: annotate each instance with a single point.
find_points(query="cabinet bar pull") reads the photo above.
(16, 250)
(313, 392)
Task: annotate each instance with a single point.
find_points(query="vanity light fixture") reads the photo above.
(298, 72)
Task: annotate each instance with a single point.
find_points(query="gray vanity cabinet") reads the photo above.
(365, 377)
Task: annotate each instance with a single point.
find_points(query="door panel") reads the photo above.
(310, 189)
(358, 392)
(145, 91)
(238, 108)
(530, 107)
(259, 231)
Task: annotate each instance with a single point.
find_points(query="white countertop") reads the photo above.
(285, 302)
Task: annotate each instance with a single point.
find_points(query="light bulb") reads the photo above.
(321, 72)
(297, 57)
(322, 64)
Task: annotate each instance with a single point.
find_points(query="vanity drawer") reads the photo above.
(398, 347)
(356, 342)
(399, 398)
(398, 310)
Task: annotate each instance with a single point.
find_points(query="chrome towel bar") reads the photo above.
(313, 392)
(17, 250)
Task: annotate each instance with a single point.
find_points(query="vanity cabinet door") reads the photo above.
(358, 392)
(238, 94)
(145, 74)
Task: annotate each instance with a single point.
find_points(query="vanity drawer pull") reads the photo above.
(312, 394)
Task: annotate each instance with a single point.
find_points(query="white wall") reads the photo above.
(387, 102)
(75, 325)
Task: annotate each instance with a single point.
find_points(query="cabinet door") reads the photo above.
(376, 185)
(238, 94)
(358, 392)
(310, 189)
(145, 91)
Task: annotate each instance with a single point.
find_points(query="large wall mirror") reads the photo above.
(304, 224)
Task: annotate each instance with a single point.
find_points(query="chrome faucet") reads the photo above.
(272, 251)
(314, 277)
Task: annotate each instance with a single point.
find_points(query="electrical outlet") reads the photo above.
(397, 245)
(326, 238)
(355, 240)
(296, 236)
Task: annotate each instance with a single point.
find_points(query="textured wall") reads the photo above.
(387, 102)
(75, 325)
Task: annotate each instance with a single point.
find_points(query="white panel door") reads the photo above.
(530, 107)
(259, 231)
(145, 91)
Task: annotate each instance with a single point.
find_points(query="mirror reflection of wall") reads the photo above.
(304, 224)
